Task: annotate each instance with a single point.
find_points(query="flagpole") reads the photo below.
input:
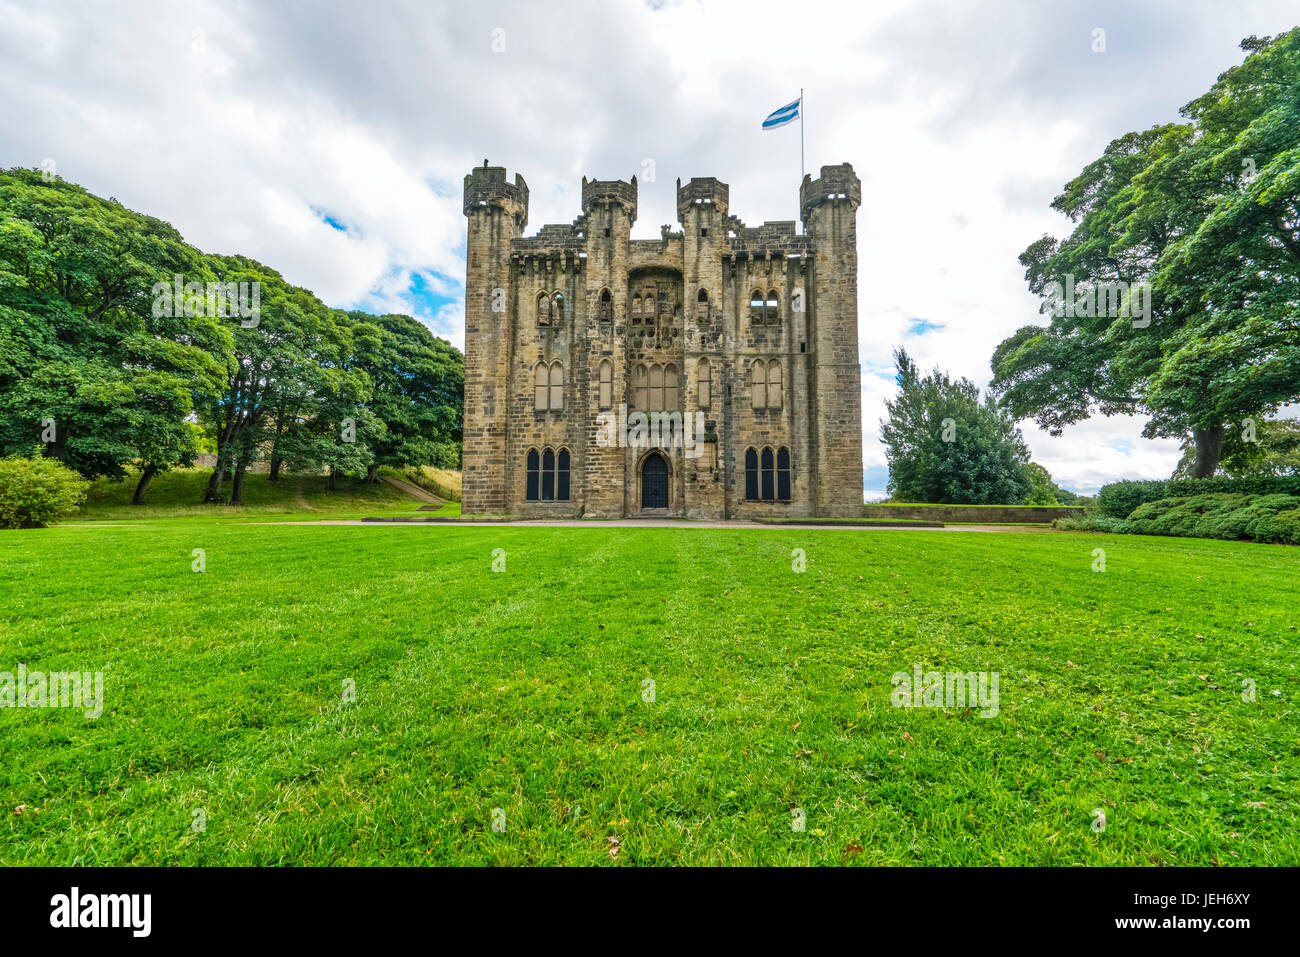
(802, 174)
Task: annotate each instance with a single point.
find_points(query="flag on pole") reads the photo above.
(786, 114)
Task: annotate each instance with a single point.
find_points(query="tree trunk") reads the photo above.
(213, 495)
(1209, 449)
(333, 478)
(274, 475)
(237, 486)
(145, 478)
(372, 474)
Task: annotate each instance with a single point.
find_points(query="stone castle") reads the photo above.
(710, 373)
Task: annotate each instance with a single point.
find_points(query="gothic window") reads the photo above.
(656, 388)
(758, 384)
(702, 305)
(774, 384)
(548, 476)
(557, 386)
(636, 310)
(756, 305)
(704, 378)
(640, 388)
(541, 381)
(670, 388)
(531, 491)
(562, 476)
(606, 380)
(606, 311)
(783, 474)
(543, 310)
(772, 308)
(751, 475)
(768, 476)
(559, 308)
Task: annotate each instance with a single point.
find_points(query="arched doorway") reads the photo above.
(654, 481)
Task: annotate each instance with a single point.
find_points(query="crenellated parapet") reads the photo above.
(702, 191)
(837, 184)
(487, 187)
(604, 192)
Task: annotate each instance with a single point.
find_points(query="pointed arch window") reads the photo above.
(534, 462)
(640, 388)
(541, 384)
(758, 384)
(558, 318)
(557, 386)
(606, 380)
(548, 476)
(543, 310)
(772, 308)
(636, 310)
(670, 388)
(605, 311)
(656, 388)
(756, 306)
(704, 383)
(562, 476)
(774, 384)
(768, 475)
(751, 475)
(783, 474)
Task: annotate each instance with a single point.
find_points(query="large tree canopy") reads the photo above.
(1207, 213)
(121, 345)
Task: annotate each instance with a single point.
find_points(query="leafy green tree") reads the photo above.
(946, 446)
(1266, 447)
(89, 373)
(1207, 213)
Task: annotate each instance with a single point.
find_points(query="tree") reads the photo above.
(1206, 216)
(1265, 447)
(89, 373)
(946, 446)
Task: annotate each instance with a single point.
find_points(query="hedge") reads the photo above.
(1258, 518)
(1119, 499)
(35, 492)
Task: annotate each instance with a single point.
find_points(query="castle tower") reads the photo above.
(830, 206)
(498, 212)
(609, 209)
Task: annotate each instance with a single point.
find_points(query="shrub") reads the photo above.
(1120, 498)
(1259, 518)
(35, 492)
(1090, 523)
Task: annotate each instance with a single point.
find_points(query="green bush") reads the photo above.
(1120, 498)
(35, 492)
(1257, 518)
(1090, 523)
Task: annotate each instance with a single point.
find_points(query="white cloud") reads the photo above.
(962, 123)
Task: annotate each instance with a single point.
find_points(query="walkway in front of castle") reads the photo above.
(674, 523)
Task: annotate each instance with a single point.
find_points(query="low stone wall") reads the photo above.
(983, 514)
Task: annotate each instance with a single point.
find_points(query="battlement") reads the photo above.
(702, 191)
(601, 191)
(837, 184)
(487, 186)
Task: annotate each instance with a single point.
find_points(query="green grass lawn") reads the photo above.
(525, 690)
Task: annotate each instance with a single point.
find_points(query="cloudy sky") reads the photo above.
(330, 140)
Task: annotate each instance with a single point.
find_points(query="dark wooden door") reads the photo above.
(654, 482)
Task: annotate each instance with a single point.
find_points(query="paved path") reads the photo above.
(668, 523)
(414, 491)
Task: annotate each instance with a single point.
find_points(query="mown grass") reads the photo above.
(524, 690)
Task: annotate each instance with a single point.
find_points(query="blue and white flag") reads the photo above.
(786, 114)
